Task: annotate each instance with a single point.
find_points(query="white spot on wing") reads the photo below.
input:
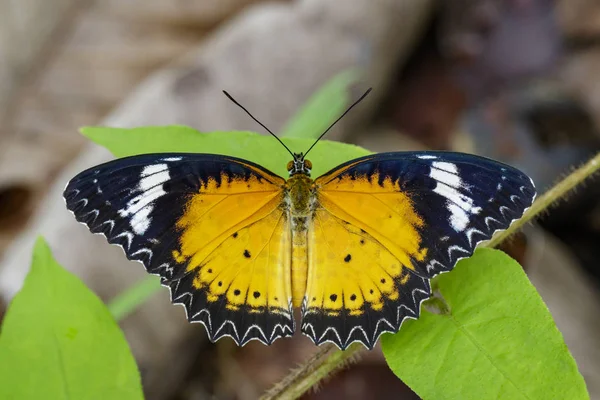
(464, 202)
(154, 169)
(448, 185)
(140, 221)
(458, 217)
(446, 166)
(139, 208)
(446, 177)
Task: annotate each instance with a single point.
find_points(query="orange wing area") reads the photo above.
(214, 228)
(361, 279)
(356, 288)
(385, 224)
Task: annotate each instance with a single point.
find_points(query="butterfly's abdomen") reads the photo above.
(299, 199)
(299, 261)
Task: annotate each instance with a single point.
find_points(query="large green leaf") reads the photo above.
(58, 341)
(495, 340)
(264, 150)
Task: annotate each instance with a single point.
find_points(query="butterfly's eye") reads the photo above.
(290, 165)
(308, 164)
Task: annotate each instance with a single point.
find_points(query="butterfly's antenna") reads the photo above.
(341, 116)
(260, 123)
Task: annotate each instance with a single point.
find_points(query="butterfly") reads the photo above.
(355, 249)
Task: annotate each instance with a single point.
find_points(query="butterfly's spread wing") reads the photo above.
(212, 227)
(385, 224)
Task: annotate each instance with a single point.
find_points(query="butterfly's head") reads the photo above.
(299, 165)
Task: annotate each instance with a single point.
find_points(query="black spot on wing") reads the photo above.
(343, 328)
(243, 324)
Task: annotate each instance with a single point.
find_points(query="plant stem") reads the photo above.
(546, 200)
(128, 301)
(327, 360)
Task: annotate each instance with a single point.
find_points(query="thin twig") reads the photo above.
(329, 358)
(546, 200)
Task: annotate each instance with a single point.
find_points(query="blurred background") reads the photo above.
(515, 80)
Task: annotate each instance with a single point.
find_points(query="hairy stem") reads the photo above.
(329, 358)
(551, 196)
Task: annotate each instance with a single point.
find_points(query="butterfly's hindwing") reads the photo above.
(243, 288)
(356, 288)
(427, 210)
(180, 215)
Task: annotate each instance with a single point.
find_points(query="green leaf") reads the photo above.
(324, 107)
(58, 341)
(263, 150)
(495, 340)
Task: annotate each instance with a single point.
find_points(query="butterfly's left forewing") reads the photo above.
(212, 227)
(387, 223)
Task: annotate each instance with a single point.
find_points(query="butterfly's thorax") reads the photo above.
(300, 201)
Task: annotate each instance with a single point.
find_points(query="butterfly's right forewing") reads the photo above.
(212, 227)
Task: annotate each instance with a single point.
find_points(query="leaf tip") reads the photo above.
(41, 245)
(86, 131)
(41, 253)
